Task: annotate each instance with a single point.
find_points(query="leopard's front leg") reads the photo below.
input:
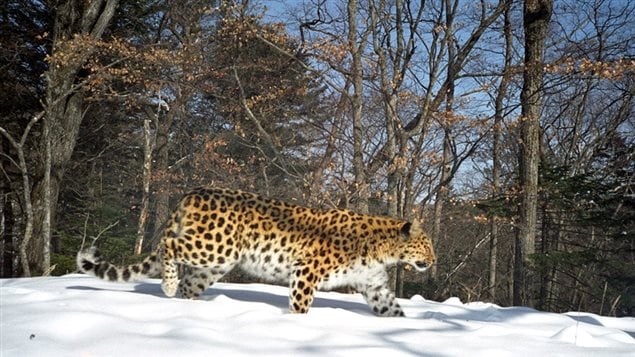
(302, 287)
(382, 301)
(377, 294)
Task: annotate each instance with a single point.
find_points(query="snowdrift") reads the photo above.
(78, 315)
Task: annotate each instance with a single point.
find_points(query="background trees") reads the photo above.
(407, 108)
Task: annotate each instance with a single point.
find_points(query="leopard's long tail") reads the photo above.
(90, 262)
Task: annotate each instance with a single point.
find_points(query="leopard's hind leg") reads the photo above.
(194, 281)
(169, 273)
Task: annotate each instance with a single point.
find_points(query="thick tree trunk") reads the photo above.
(161, 163)
(64, 112)
(537, 14)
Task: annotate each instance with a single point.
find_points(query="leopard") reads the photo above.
(213, 230)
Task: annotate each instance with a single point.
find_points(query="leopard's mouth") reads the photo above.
(421, 265)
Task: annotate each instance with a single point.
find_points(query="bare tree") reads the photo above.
(445, 122)
(496, 149)
(412, 44)
(149, 135)
(21, 164)
(356, 48)
(77, 25)
(537, 14)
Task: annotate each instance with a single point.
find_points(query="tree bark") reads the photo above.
(27, 205)
(446, 123)
(359, 169)
(148, 147)
(64, 111)
(10, 258)
(162, 157)
(537, 14)
(5, 239)
(46, 200)
(9, 224)
(496, 137)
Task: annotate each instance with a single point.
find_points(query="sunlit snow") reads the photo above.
(78, 315)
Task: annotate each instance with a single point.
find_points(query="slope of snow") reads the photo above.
(78, 315)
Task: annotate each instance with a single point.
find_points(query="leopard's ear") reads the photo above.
(413, 229)
(405, 230)
(417, 228)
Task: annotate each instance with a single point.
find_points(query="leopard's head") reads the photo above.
(416, 247)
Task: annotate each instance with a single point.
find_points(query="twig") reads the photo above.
(261, 130)
(104, 231)
(469, 254)
(81, 248)
(50, 269)
(614, 305)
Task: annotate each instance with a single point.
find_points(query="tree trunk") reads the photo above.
(163, 189)
(148, 147)
(537, 14)
(359, 169)
(444, 181)
(545, 230)
(64, 112)
(496, 137)
(27, 206)
(493, 259)
(441, 196)
(8, 227)
(389, 78)
(46, 206)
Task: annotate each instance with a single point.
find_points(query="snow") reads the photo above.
(78, 315)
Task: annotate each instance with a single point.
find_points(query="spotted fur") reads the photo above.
(214, 230)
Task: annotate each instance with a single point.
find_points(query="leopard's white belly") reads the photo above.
(271, 267)
(357, 276)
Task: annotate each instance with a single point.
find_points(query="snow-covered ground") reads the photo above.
(78, 315)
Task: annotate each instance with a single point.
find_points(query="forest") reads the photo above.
(505, 126)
